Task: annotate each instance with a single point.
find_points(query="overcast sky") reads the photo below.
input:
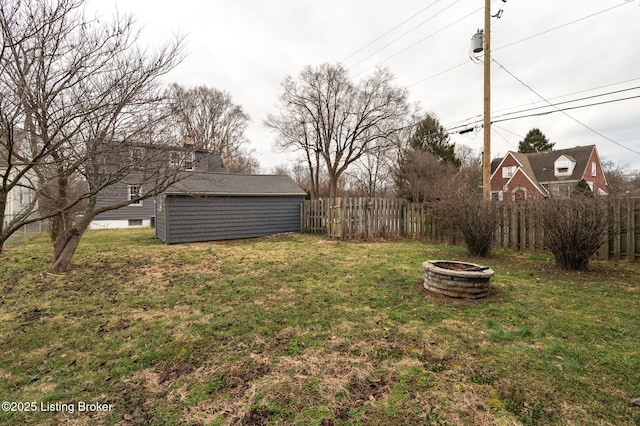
(561, 49)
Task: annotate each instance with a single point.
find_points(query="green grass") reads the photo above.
(303, 330)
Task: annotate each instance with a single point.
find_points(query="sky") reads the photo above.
(545, 51)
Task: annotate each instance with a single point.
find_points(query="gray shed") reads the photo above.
(222, 206)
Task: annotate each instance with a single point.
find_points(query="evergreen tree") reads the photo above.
(535, 141)
(430, 136)
(583, 188)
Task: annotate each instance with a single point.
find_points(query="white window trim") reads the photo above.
(130, 197)
(189, 158)
(508, 171)
(563, 163)
(177, 159)
(174, 159)
(594, 169)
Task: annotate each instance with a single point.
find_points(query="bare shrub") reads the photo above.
(474, 218)
(574, 229)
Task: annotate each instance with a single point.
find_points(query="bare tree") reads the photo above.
(214, 122)
(374, 173)
(301, 176)
(325, 115)
(471, 167)
(20, 24)
(371, 174)
(420, 176)
(296, 132)
(619, 180)
(243, 161)
(87, 96)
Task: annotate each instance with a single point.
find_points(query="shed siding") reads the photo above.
(213, 218)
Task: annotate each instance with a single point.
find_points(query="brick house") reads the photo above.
(547, 174)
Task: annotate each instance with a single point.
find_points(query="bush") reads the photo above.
(574, 229)
(474, 218)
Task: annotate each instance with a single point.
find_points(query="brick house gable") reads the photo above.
(546, 173)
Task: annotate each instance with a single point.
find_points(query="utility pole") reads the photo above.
(486, 153)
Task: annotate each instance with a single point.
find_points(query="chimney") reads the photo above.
(188, 142)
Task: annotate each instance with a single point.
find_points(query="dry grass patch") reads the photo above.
(304, 330)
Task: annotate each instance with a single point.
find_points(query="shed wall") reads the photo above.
(212, 218)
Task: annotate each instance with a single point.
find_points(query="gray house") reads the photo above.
(220, 206)
(141, 213)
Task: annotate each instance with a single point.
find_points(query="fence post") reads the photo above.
(616, 230)
(631, 230)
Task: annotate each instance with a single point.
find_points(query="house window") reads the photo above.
(593, 169)
(561, 191)
(134, 192)
(174, 159)
(188, 161)
(496, 195)
(137, 153)
(178, 160)
(507, 172)
(135, 222)
(563, 166)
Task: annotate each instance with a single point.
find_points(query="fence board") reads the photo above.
(346, 218)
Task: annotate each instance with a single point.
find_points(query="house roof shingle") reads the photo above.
(539, 165)
(542, 163)
(223, 184)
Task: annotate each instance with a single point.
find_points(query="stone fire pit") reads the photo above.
(457, 279)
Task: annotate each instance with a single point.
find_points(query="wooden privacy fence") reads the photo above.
(519, 230)
(347, 218)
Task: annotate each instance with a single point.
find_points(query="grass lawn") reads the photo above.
(301, 330)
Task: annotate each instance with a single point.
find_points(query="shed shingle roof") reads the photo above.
(234, 184)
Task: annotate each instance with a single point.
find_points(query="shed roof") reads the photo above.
(235, 184)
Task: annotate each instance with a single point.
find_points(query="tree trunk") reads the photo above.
(64, 252)
(68, 237)
(3, 206)
(333, 185)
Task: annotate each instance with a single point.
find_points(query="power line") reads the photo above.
(508, 131)
(390, 31)
(503, 138)
(575, 100)
(403, 35)
(426, 38)
(571, 94)
(561, 26)
(568, 109)
(440, 73)
(476, 119)
(499, 119)
(520, 41)
(564, 110)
